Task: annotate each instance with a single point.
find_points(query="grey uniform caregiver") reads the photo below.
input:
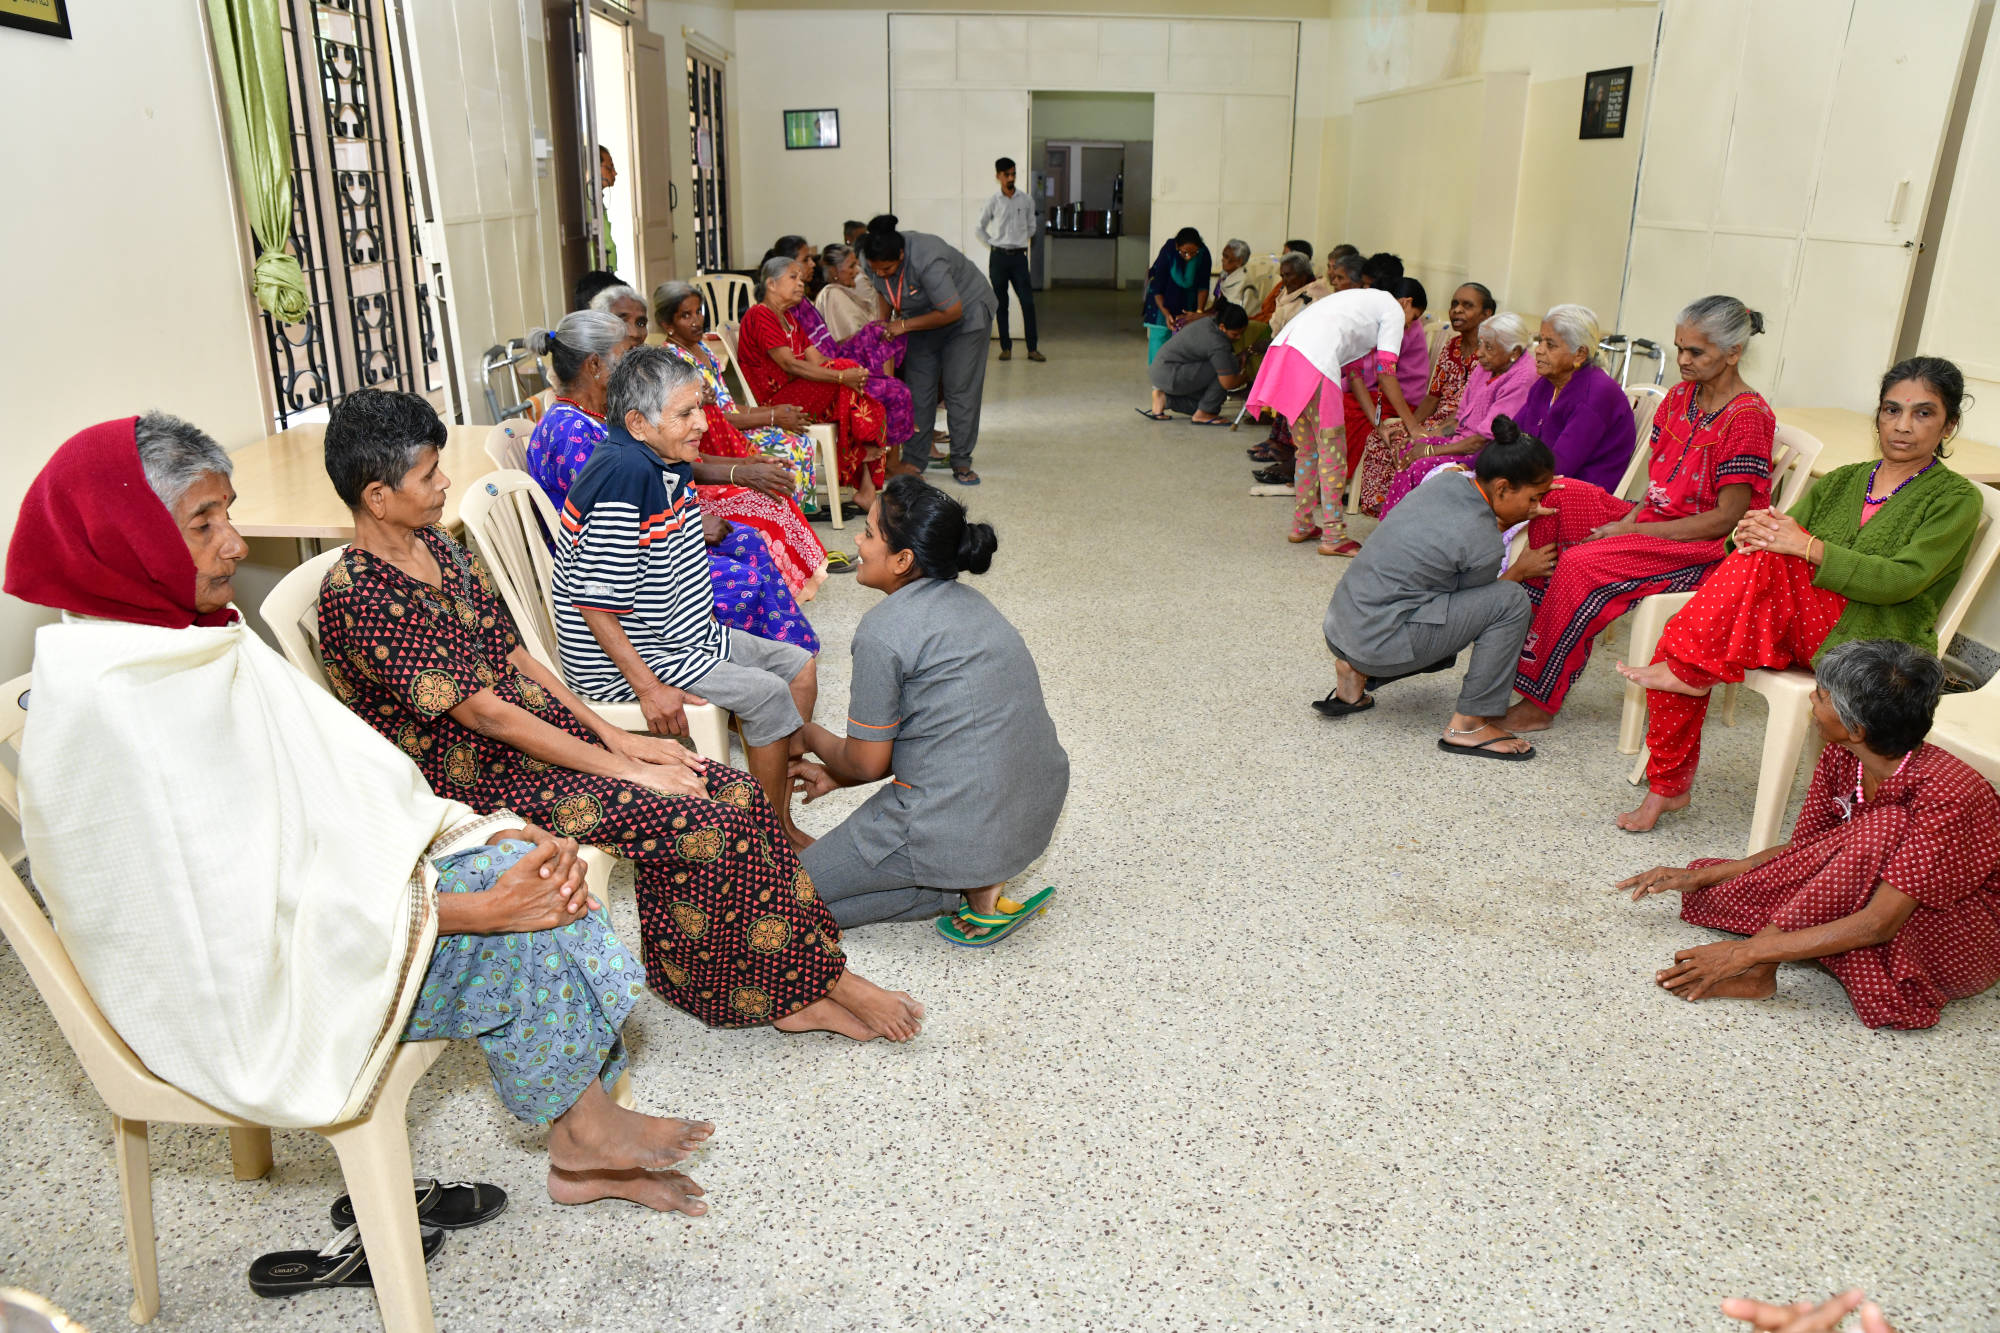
(946, 703)
(947, 305)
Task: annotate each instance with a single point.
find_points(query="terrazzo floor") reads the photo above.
(1325, 1029)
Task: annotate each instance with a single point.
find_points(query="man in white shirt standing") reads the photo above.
(1006, 225)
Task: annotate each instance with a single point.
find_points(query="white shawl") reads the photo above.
(848, 310)
(237, 865)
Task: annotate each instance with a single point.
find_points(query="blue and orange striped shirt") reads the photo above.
(631, 545)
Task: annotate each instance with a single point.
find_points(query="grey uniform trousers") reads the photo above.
(1190, 387)
(859, 892)
(1493, 618)
(951, 362)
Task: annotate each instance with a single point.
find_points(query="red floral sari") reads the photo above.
(858, 420)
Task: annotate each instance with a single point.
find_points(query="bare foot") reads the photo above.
(1526, 716)
(825, 1015)
(891, 1013)
(1658, 676)
(662, 1191)
(597, 1134)
(1649, 811)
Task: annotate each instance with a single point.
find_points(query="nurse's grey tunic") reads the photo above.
(978, 775)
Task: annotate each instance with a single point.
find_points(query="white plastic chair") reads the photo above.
(820, 433)
(727, 296)
(1645, 401)
(1793, 453)
(374, 1151)
(1789, 693)
(1968, 725)
(506, 514)
(507, 445)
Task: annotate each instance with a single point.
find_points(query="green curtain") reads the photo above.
(250, 51)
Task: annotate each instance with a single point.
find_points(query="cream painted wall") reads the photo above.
(1118, 117)
(1572, 213)
(810, 191)
(121, 222)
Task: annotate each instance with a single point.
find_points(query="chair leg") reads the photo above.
(135, 1191)
(375, 1160)
(829, 470)
(250, 1153)
(621, 1091)
(1784, 739)
(1637, 777)
(1729, 692)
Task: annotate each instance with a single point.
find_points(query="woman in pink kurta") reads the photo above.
(1892, 878)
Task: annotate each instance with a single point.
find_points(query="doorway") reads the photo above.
(610, 66)
(707, 139)
(1092, 178)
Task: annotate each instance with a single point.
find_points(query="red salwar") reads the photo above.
(1755, 609)
(1932, 831)
(1594, 583)
(859, 422)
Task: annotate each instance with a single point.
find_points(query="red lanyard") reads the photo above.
(896, 297)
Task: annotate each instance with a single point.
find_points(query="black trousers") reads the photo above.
(1002, 268)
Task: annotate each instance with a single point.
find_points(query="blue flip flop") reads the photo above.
(998, 926)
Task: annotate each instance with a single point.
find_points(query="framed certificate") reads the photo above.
(1607, 96)
(48, 17)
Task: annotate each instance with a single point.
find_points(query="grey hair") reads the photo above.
(610, 296)
(1723, 320)
(774, 267)
(668, 297)
(176, 455)
(646, 378)
(1577, 326)
(832, 256)
(1884, 689)
(578, 336)
(1292, 264)
(1507, 331)
(1237, 250)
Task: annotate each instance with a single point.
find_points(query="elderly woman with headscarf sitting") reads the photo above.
(262, 894)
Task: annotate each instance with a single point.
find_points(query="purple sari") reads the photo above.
(878, 352)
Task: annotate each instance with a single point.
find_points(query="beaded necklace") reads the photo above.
(1869, 497)
(1847, 808)
(594, 416)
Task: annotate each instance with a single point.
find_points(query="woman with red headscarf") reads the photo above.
(300, 900)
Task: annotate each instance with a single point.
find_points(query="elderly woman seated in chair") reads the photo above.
(262, 895)
(1892, 878)
(416, 642)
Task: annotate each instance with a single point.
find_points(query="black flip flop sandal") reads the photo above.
(1482, 750)
(1335, 706)
(451, 1204)
(965, 476)
(1152, 415)
(342, 1263)
(840, 562)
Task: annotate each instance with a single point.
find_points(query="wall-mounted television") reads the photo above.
(812, 129)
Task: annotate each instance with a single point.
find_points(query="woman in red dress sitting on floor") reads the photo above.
(1711, 465)
(782, 366)
(1892, 877)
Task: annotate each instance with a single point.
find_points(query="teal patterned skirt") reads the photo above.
(545, 1006)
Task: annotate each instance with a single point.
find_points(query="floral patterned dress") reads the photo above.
(1390, 449)
(725, 440)
(733, 932)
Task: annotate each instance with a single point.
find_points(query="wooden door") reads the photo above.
(652, 159)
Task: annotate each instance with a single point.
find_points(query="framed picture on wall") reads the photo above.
(809, 129)
(1607, 96)
(48, 17)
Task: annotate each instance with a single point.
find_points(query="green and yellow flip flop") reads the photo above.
(1009, 917)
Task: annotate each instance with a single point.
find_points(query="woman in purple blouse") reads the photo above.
(1576, 408)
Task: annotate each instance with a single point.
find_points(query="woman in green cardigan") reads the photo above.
(1871, 552)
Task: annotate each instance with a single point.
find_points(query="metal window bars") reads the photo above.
(356, 220)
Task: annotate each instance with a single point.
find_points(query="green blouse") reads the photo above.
(1897, 570)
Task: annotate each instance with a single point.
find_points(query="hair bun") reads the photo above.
(1504, 430)
(976, 546)
(541, 341)
(1756, 321)
(882, 224)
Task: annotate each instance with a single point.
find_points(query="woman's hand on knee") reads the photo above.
(544, 889)
(654, 750)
